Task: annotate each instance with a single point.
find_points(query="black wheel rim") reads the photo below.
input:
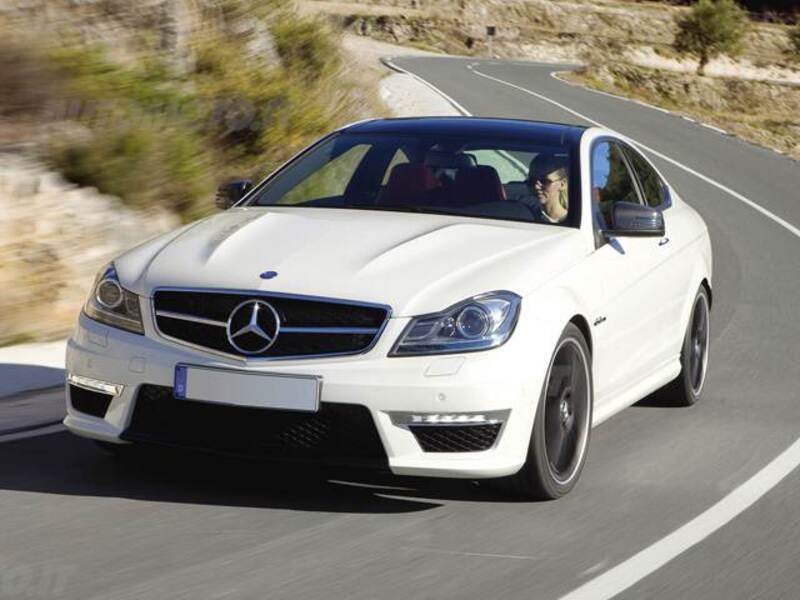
(698, 344)
(567, 407)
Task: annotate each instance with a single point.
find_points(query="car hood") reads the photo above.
(415, 263)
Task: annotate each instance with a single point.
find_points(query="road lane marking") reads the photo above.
(650, 559)
(767, 213)
(655, 556)
(475, 554)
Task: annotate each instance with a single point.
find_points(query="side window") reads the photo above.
(654, 190)
(612, 182)
(399, 158)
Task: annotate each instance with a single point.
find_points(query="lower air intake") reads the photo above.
(450, 438)
(336, 434)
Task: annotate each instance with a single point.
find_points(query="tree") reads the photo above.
(711, 28)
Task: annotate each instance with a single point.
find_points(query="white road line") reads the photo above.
(476, 554)
(714, 128)
(11, 437)
(455, 104)
(557, 76)
(650, 559)
(627, 573)
(769, 214)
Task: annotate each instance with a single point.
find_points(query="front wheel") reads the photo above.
(561, 429)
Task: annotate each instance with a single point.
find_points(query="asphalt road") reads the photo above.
(77, 524)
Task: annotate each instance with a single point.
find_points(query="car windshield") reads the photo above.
(517, 180)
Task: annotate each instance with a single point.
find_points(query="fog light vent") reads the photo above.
(455, 438)
(88, 401)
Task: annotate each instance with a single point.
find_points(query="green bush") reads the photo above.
(711, 28)
(146, 163)
(307, 47)
(794, 41)
(154, 137)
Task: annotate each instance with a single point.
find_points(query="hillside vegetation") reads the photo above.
(751, 85)
(223, 88)
(118, 119)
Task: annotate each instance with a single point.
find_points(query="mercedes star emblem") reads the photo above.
(253, 326)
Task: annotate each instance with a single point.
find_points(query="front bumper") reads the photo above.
(502, 381)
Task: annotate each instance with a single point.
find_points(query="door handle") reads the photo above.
(663, 241)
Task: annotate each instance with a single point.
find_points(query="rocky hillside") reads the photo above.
(625, 45)
(54, 236)
(118, 119)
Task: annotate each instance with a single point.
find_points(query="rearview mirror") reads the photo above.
(230, 192)
(635, 220)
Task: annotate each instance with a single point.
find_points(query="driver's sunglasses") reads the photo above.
(545, 181)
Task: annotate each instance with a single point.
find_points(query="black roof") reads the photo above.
(541, 131)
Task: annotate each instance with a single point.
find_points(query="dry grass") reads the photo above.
(764, 113)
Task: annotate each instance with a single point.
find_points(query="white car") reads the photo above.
(448, 297)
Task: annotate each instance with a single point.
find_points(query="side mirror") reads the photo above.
(231, 192)
(635, 220)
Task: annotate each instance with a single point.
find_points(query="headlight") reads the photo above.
(479, 323)
(112, 304)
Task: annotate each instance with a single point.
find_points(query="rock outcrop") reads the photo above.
(54, 236)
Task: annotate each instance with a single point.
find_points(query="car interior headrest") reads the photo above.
(477, 185)
(409, 184)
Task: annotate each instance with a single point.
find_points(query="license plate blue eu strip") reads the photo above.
(180, 382)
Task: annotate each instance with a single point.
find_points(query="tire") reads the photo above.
(563, 421)
(687, 388)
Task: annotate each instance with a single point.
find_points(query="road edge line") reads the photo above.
(389, 63)
(629, 572)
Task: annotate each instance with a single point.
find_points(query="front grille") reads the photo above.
(308, 327)
(451, 438)
(88, 401)
(336, 434)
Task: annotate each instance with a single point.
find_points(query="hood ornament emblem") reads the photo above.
(269, 275)
(253, 326)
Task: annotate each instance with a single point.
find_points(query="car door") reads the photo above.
(673, 267)
(625, 324)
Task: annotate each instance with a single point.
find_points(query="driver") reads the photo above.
(547, 178)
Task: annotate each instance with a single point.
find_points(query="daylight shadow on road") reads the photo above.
(61, 463)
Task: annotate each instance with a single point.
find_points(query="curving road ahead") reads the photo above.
(76, 524)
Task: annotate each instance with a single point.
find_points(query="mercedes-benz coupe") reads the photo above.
(447, 297)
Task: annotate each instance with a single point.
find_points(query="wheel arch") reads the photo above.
(707, 286)
(581, 323)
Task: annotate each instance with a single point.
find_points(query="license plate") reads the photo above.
(245, 388)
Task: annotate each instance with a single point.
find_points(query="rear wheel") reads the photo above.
(686, 389)
(561, 430)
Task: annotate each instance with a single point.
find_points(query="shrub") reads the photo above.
(711, 28)
(146, 163)
(156, 137)
(794, 41)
